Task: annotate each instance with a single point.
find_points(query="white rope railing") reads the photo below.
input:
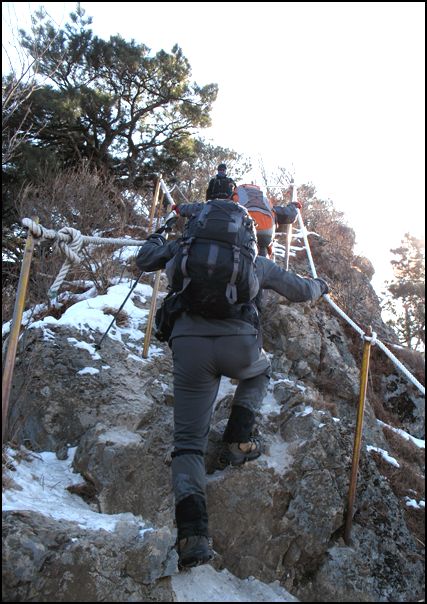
(166, 192)
(374, 340)
(175, 186)
(69, 241)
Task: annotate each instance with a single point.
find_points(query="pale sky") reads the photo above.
(333, 91)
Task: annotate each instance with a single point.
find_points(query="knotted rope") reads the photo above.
(70, 242)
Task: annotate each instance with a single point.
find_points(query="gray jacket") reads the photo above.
(156, 253)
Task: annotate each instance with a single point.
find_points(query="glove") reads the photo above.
(174, 207)
(297, 204)
(157, 238)
(324, 286)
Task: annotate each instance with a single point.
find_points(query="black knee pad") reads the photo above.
(191, 517)
(239, 426)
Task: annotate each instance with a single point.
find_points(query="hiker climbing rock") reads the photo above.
(220, 186)
(215, 334)
(266, 216)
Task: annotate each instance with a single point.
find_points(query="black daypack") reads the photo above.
(215, 266)
(221, 188)
(172, 306)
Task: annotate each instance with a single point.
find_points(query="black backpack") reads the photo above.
(215, 266)
(221, 187)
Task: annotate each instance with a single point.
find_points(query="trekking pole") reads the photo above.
(15, 327)
(154, 203)
(358, 434)
(156, 284)
(289, 229)
(98, 346)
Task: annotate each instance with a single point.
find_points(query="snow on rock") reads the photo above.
(205, 584)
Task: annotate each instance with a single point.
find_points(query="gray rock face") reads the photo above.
(407, 404)
(128, 469)
(51, 561)
(276, 523)
(283, 525)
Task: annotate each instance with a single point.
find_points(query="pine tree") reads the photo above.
(405, 296)
(113, 104)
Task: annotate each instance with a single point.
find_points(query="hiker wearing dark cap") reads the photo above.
(221, 186)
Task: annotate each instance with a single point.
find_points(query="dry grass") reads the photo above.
(9, 466)
(406, 481)
(413, 360)
(323, 404)
(85, 200)
(122, 318)
(404, 449)
(82, 198)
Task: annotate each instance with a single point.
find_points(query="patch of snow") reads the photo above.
(135, 358)
(205, 584)
(417, 441)
(88, 371)
(413, 503)
(226, 387)
(42, 483)
(120, 436)
(126, 253)
(278, 457)
(385, 455)
(306, 411)
(270, 406)
(85, 346)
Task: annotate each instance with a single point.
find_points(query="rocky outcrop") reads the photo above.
(276, 523)
(52, 561)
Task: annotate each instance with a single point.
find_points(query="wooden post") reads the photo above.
(15, 327)
(358, 437)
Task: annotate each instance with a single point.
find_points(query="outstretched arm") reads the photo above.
(286, 214)
(155, 253)
(288, 284)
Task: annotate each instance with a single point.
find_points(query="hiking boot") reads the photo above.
(237, 454)
(193, 551)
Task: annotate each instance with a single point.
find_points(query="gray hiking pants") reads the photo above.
(199, 363)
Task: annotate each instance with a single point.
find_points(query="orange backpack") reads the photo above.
(257, 204)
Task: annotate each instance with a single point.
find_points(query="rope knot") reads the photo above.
(36, 229)
(70, 242)
(372, 338)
